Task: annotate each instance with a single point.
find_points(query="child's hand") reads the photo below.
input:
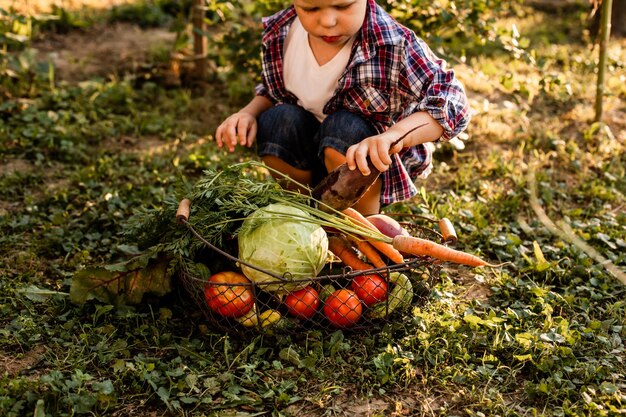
(239, 128)
(378, 148)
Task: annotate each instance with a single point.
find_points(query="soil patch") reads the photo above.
(14, 166)
(32, 7)
(414, 401)
(14, 366)
(107, 51)
(146, 145)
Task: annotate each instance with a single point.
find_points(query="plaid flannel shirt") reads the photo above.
(391, 75)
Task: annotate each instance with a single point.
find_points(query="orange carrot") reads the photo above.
(369, 251)
(421, 247)
(447, 230)
(385, 248)
(343, 249)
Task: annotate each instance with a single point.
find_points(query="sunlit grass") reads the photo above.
(33, 7)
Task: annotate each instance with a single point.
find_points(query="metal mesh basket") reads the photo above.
(337, 298)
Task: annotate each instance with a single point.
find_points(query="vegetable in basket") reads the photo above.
(387, 225)
(265, 319)
(285, 241)
(400, 297)
(370, 288)
(343, 308)
(303, 303)
(229, 294)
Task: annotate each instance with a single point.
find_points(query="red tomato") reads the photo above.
(229, 300)
(343, 308)
(303, 303)
(371, 289)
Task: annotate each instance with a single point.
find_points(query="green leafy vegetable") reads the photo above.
(285, 241)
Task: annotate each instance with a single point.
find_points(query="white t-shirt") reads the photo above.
(313, 84)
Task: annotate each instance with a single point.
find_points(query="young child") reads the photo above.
(342, 81)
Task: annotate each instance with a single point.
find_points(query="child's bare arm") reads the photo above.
(379, 147)
(241, 127)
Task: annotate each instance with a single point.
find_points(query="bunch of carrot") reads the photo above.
(374, 246)
(346, 248)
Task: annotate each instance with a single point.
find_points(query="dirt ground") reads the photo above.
(43, 6)
(103, 51)
(98, 51)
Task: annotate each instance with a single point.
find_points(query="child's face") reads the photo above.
(331, 21)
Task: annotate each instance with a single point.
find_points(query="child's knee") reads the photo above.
(333, 158)
(346, 126)
(286, 121)
(285, 114)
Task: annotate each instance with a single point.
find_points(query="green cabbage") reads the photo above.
(282, 239)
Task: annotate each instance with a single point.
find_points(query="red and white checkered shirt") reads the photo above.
(391, 75)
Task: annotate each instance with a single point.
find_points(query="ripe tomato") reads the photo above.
(303, 303)
(229, 300)
(371, 289)
(343, 308)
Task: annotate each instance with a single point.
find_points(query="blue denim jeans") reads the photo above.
(295, 136)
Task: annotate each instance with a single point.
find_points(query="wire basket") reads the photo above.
(337, 298)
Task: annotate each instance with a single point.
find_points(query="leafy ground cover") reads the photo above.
(85, 146)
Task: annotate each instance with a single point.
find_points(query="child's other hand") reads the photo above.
(378, 148)
(239, 128)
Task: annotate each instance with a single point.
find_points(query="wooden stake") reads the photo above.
(605, 35)
(199, 40)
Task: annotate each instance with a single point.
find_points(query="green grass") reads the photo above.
(543, 335)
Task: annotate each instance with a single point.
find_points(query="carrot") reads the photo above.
(385, 248)
(353, 214)
(369, 251)
(447, 230)
(342, 248)
(421, 247)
